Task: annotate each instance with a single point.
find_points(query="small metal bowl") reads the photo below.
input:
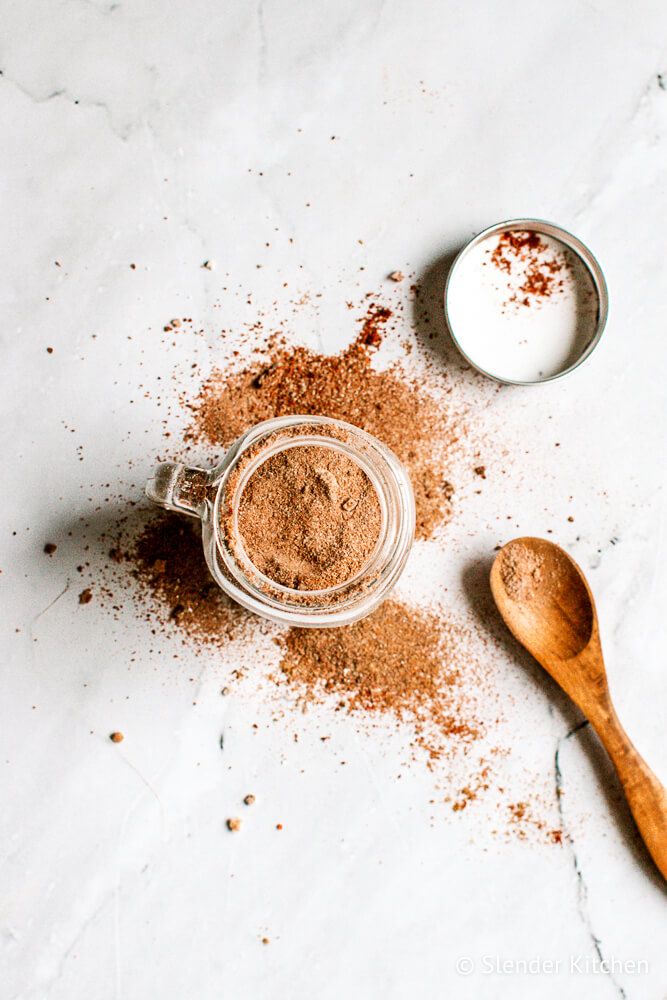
(571, 243)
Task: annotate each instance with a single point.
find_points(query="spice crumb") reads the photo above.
(279, 826)
(249, 799)
(396, 276)
(116, 737)
(86, 596)
(233, 824)
(50, 548)
(265, 940)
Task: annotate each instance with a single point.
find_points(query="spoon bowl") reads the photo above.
(546, 599)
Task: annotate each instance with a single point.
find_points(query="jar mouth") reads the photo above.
(252, 573)
(348, 600)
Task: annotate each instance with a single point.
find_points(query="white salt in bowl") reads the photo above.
(526, 302)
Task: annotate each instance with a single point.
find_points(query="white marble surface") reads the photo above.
(165, 134)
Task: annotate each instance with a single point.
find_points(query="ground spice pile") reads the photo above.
(421, 431)
(173, 583)
(400, 661)
(309, 518)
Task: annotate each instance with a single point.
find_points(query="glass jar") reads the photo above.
(207, 493)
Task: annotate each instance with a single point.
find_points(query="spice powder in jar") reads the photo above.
(309, 518)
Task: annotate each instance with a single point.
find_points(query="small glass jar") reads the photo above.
(207, 494)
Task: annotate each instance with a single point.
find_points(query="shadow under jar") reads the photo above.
(216, 497)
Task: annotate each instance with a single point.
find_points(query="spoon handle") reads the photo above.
(646, 795)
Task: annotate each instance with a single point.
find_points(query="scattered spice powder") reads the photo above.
(515, 245)
(471, 791)
(399, 661)
(411, 666)
(419, 667)
(373, 323)
(167, 562)
(523, 822)
(421, 430)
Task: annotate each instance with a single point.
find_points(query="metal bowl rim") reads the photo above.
(573, 243)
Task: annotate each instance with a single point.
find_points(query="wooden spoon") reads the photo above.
(547, 605)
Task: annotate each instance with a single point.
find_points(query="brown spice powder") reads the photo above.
(401, 664)
(418, 428)
(523, 822)
(516, 244)
(542, 265)
(421, 668)
(309, 518)
(174, 583)
(521, 571)
(373, 323)
(400, 661)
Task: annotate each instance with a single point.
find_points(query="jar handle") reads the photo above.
(179, 487)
